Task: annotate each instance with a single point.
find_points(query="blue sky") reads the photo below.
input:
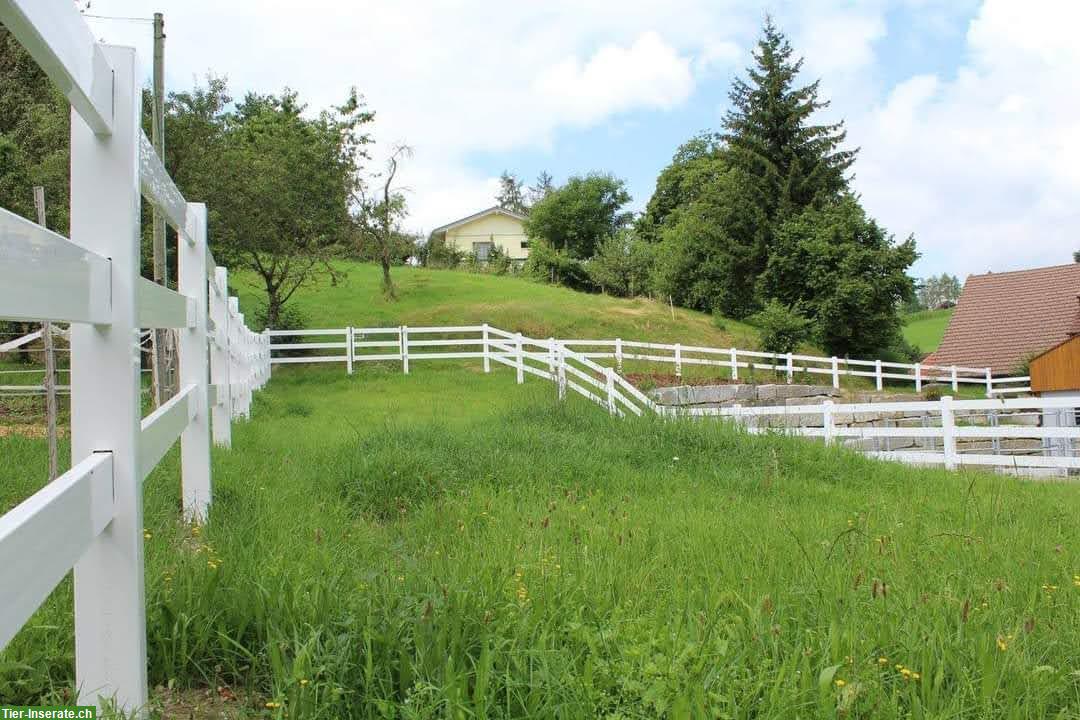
(968, 138)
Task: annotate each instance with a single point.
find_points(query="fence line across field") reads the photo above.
(619, 350)
(91, 517)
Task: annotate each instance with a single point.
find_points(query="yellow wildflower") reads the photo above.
(883, 661)
(304, 682)
(272, 705)
(840, 683)
(1002, 644)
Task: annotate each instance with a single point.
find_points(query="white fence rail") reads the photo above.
(90, 518)
(1001, 431)
(355, 345)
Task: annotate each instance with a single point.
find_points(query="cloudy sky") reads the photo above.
(967, 112)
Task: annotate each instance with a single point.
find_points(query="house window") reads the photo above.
(524, 244)
(482, 250)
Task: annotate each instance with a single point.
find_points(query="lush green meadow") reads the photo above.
(451, 297)
(449, 544)
(925, 329)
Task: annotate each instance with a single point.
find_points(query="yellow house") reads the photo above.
(480, 232)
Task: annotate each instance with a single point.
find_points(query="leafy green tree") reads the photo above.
(938, 291)
(578, 216)
(711, 248)
(782, 328)
(511, 195)
(793, 163)
(845, 272)
(696, 163)
(558, 267)
(622, 265)
(544, 186)
(280, 189)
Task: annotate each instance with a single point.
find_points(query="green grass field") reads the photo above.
(450, 545)
(449, 297)
(925, 329)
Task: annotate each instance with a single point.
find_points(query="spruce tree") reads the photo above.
(510, 196)
(794, 163)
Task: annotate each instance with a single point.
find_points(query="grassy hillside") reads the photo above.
(446, 297)
(925, 329)
(449, 544)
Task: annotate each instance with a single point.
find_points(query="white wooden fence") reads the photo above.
(998, 419)
(90, 518)
(738, 362)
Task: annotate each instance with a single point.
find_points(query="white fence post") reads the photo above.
(618, 354)
(195, 439)
(609, 386)
(879, 381)
(487, 350)
(562, 372)
(835, 372)
(403, 332)
(918, 377)
(349, 349)
(948, 432)
(110, 607)
(551, 355)
(989, 383)
(827, 421)
(520, 359)
(734, 364)
(247, 360)
(790, 369)
(955, 381)
(221, 415)
(678, 360)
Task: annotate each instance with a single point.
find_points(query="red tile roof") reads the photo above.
(1004, 318)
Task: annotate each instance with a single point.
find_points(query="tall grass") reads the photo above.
(449, 544)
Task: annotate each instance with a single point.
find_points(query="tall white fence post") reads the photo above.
(110, 601)
(948, 432)
(989, 383)
(404, 335)
(955, 381)
(879, 381)
(618, 354)
(248, 362)
(520, 359)
(609, 387)
(551, 355)
(790, 369)
(734, 364)
(827, 421)
(195, 439)
(487, 349)
(678, 360)
(349, 349)
(562, 371)
(918, 377)
(221, 415)
(836, 372)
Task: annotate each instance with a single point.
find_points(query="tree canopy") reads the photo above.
(576, 217)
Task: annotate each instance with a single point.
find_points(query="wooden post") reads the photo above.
(110, 599)
(827, 421)
(879, 380)
(50, 360)
(404, 333)
(349, 350)
(678, 360)
(734, 364)
(618, 354)
(487, 349)
(955, 381)
(195, 439)
(836, 372)
(520, 359)
(221, 415)
(159, 338)
(948, 432)
(918, 377)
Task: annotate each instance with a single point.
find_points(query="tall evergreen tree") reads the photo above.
(544, 186)
(794, 163)
(511, 195)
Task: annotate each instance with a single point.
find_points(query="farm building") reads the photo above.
(1004, 319)
(478, 233)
